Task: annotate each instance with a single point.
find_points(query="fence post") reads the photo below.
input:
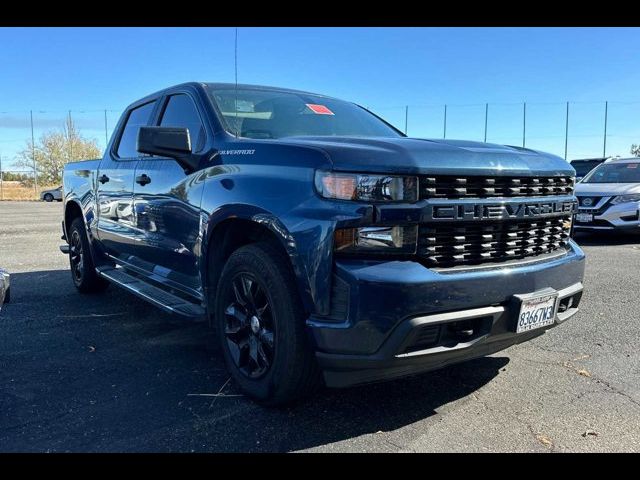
(524, 123)
(444, 135)
(606, 113)
(406, 118)
(1, 180)
(70, 139)
(106, 138)
(33, 155)
(566, 132)
(486, 119)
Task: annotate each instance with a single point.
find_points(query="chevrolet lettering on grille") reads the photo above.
(506, 211)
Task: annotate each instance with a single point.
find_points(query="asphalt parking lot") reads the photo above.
(111, 373)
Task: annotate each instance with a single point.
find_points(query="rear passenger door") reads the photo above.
(167, 204)
(116, 217)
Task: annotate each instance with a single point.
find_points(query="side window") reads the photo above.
(181, 112)
(138, 117)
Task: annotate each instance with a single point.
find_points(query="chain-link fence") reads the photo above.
(19, 128)
(568, 129)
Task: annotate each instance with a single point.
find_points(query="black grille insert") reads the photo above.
(449, 245)
(454, 186)
(424, 337)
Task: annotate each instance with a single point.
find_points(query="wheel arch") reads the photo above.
(72, 210)
(226, 232)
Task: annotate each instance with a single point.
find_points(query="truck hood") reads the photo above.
(428, 156)
(607, 189)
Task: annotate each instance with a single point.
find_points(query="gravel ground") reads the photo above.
(111, 373)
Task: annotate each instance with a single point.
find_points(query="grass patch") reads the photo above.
(13, 190)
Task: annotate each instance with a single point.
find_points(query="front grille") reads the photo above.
(594, 201)
(595, 211)
(448, 245)
(454, 186)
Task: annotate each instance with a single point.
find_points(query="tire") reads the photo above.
(48, 197)
(83, 270)
(272, 373)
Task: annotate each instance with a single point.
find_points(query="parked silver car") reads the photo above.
(609, 197)
(4, 287)
(51, 195)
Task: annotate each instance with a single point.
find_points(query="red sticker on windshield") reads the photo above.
(319, 109)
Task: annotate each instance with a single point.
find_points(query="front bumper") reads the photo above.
(623, 216)
(402, 318)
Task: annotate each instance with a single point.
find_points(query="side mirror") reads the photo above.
(169, 142)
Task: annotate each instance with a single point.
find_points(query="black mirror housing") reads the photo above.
(172, 142)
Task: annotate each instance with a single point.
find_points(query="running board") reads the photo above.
(158, 297)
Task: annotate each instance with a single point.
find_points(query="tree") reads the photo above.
(54, 149)
(635, 150)
(14, 176)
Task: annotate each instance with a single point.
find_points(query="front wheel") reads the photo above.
(83, 271)
(261, 327)
(48, 197)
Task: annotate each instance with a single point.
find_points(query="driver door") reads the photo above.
(167, 205)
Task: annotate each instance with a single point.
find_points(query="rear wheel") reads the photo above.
(83, 271)
(260, 325)
(48, 197)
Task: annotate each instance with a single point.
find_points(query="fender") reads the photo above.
(274, 225)
(87, 216)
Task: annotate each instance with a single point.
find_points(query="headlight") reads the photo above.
(396, 239)
(367, 188)
(634, 197)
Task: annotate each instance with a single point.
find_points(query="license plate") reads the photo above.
(584, 217)
(536, 311)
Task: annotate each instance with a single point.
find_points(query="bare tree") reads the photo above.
(54, 149)
(635, 150)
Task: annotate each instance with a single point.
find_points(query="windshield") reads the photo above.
(254, 113)
(582, 168)
(614, 173)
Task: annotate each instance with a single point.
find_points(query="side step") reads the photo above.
(158, 297)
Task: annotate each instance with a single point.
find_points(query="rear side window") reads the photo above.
(586, 167)
(138, 117)
(182, 112)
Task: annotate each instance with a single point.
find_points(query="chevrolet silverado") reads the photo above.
(321, 244)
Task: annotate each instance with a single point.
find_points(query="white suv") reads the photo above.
(609, 197)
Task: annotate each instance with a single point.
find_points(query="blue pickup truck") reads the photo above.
(321, 244)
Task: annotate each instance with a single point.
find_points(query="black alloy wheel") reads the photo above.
(76, 257)
(260, 326)
(249, 326)
(83, 270)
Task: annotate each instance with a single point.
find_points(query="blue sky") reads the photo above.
(88, 70)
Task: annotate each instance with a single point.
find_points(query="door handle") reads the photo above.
(143, 179)
(103, 179)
